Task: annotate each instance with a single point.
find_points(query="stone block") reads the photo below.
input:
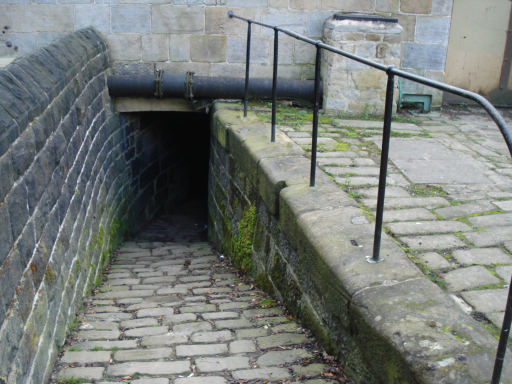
(7, 175)
(130, 18)
(304, 4)
(23, 152)
(315, 23)
(208, 48)
(177, 19)
(155, 47)
(387, 6)
(237, 48)
(416, 6)
(304, 53)
(95, 15)
(39, 17)
(179, 47)
(18, 209)
(270, 374)
(349, 5)
(217, 22)
(442, 7)
(291, 19)
(408, 23)
(427, 56)
(247, 3)
(125, 47)
(432, 30)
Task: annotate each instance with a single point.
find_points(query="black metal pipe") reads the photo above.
(204, 87)
(316, 106)
(247, 64)
(384, 155)
(502, 345)
(274, 86)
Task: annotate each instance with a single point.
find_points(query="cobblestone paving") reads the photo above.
(172, 311)
(448, 199)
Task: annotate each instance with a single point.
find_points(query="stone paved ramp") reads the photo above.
(172, 311)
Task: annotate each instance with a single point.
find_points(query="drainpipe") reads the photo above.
(191, 87)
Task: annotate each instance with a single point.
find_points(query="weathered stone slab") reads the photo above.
(190, 328)
(201, 349)
(201, 380)
(467, 278)
(242, 346)
(270, 374)
(146, 331)
(433, 242)
(465, 209)
(143, 354)
(108, 344)
(488, 300)
(487, 256)
(412, 214)
(211, 337)
(434, 260)
(86, 357)
(502, 219)
(149, 368)
(428, 161)
(490, 237)
(216, 364)
(281, 339)
(92, 373)
(282, 357)
(427, 227)
(135, 323)
(167, 339)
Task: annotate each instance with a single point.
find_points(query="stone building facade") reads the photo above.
(197, 35)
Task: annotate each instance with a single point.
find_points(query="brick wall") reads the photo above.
(74, 178)
(196, 35)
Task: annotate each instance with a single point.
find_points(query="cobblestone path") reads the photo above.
(448, 198)
(172, 311)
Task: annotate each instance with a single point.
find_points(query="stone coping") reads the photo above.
(405, 326)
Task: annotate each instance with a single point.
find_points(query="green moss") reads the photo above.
(49, 274)
(425, 190)
(242, 244)
(267, 303)
(263, 282)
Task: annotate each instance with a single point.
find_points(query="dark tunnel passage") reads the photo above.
(169, 164)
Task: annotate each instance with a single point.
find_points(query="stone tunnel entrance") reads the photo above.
(169, 162)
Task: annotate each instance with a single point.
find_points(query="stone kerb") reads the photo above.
(388, 321)
(348, 85)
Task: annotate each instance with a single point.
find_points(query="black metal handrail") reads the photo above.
(388, 112)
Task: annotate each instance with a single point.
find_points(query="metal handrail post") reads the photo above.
(274, 85)
(384, 155)
(247, 64)
(502, 345)
(316, 107)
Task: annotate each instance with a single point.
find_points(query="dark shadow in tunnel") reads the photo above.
(170, 166)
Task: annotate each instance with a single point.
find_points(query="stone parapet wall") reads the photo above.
(308, 247)
(73, 181)
(196, 35)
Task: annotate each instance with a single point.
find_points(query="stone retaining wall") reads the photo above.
(308, 247)
(73, 181)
